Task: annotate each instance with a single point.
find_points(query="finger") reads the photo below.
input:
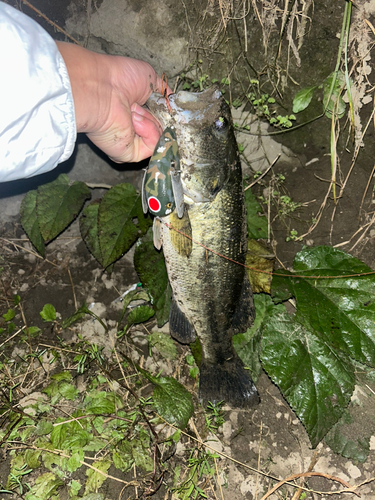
(147, 133)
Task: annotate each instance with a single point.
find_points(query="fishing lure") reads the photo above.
(162, 190)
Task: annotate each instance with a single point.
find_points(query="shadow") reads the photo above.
(22, 186)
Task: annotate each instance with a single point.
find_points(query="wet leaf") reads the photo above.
(29, 221)
(258, 258)
(257, 226)
(310, 355)
(303, 98)
(172, 401)
(150, 266)
(120, 222)
(58, 203)
(88, 224)
(139, 315)
(340, 310)
(316, 380)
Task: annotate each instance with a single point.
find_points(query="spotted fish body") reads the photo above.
(211, 295)
(161, 188)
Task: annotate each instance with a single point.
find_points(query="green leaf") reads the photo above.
(303, 98)
(29, 221)
(62, 376)
(164, 344)
(150, 266)
(79, 314)
(45, 486)
(257, 227)
(103, 402)
(316, 380)
(68, 391)
(78, 440)
(121, 222)
(122, 461)
(58, 204)
(88, 224)
(31, 458)
(311, 355)
(48, 313)
(8, 316)
(139, 315)
(95, 478)
(44, 427)
(340, 310)
(75, 486)
(172, 401)
(332, 99)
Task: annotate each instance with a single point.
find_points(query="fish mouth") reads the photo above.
(182, 107)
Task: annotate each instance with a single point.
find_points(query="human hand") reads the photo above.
(108, 93)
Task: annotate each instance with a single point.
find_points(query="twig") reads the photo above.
(308, 474)
(10, 242)
(10, 338)
(367, 186)
(74, 294)
(25, 2)
(264, 173)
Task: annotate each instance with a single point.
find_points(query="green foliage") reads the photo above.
(310, 355)
(263, 105)
(214, 416)
(109, 226)
(150, 266)
(48, 313)
(171, 400)
(333, 102)
(257, 227)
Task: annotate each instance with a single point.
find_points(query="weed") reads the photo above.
(214, 416)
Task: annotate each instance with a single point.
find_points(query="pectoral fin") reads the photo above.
(156, 230)
(181, 233)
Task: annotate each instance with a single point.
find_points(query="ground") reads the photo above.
(253, 446)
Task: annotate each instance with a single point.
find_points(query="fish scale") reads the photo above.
(212, 297)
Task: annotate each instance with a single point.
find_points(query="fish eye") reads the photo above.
(221, 124)
(169, 205)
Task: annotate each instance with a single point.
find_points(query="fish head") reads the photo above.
(207, 146)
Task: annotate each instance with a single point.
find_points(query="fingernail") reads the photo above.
(137, 117)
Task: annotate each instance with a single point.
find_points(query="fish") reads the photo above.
(205, 242)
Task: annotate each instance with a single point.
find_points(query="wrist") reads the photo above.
(90, 85)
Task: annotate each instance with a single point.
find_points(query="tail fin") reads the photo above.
(228, 382)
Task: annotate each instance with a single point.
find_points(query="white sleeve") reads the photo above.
(37, 120)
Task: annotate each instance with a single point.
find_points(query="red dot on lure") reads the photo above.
(154, 204)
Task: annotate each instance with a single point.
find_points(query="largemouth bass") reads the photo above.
(212, 297)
